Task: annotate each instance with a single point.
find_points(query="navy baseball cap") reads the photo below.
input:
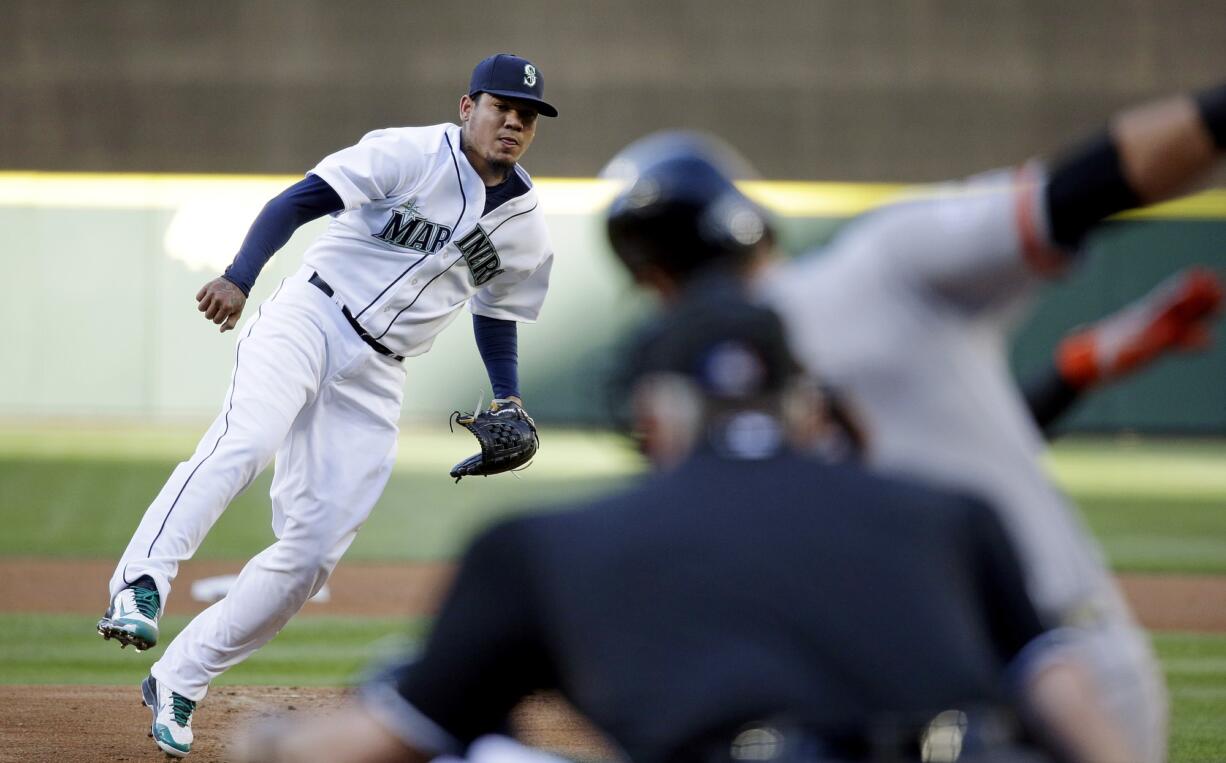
(510, 76)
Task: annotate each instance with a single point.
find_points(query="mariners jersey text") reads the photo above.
(480, 255)
(410, 230)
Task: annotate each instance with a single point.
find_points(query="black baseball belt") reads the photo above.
(363, 334)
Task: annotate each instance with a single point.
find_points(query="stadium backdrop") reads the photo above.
(103, 322)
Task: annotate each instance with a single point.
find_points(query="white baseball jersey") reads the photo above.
(412, 246)
(907, 313)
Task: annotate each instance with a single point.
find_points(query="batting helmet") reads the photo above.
(680, 210)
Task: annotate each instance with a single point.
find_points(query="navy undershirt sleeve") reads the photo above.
(498, 343)
(498, 340)
(297, 205)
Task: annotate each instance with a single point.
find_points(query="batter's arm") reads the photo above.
(980, 244)
(1148, 154)
(222, 300)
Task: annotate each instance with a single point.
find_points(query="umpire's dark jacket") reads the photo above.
(722, 593)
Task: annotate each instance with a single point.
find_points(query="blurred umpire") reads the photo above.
(746, 602)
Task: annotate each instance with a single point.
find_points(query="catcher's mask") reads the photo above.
(680, 210)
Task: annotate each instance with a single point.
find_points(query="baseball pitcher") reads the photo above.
(425, 221)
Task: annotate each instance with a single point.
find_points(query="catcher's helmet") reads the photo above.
(679, 210)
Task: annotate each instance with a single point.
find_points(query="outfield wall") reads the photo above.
(102, 270)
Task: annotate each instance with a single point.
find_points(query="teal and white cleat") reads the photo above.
(132, 617)
(172, 718)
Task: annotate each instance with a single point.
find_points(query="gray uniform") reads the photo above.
(907, 313)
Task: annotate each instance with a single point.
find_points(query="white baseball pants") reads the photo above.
(308, 391)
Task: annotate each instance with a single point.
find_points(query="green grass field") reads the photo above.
(78, 492)
(74, 492)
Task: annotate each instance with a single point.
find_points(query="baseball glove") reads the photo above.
(507, 435)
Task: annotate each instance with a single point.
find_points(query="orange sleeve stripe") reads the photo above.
(1042, 258)
(1077, 361)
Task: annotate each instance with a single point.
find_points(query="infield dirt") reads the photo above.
(1162, 602)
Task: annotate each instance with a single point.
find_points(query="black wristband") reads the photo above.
(1084, 187)
(1212, 105)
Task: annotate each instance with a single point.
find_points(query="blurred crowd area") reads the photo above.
(912, 90)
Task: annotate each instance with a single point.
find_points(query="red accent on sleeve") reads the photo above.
(1076, 360)
(1042, 258)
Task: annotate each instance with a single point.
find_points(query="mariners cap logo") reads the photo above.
(510, 76)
